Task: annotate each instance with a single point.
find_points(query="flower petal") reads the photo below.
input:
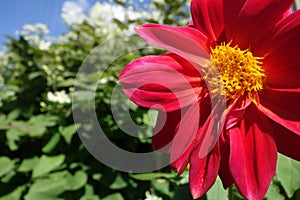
(208, 17)
(286, 141)
(282, 62)
(281, 107)
(187, 42)
(255, 14)
(236, 114)
(203, 171)
(224, 171)
(165, 82)
(231, 11)
(164, 131)
(187, 133)
(253, 154)
(213, 126)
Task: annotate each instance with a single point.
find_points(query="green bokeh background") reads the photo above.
(42, 157)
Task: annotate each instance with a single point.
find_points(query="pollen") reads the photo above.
(241, 72)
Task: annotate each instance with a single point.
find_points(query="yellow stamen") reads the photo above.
(240, 71)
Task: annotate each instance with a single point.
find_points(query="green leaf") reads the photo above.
(288, 173)
(217, 191)
(52, 143)
(162, 185)
(16, 194)
(151, 176)
(115, 196)
(118, 183)
(8, 176)
(67, 83)
(6, 165)
(13, 136)
(274, 192)
(55, 184)
(13, 115)
(48, 188)
(47, 164)
(36, 126)
(89, 194)
(77, 181)
(28, 165)
(68, 132)
(34, 75)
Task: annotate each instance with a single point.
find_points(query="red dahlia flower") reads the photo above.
(246, 52)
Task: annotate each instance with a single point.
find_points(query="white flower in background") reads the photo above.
(44, 45)
(101, 15)
(59, 97)
(150, 196)
(34, 29)
(73, 11)
(36, 34)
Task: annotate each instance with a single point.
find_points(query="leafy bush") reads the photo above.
(42, 157)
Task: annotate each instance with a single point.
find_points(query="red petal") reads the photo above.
(204, 171)
(281, 107)
(253, 154)
(212, 129)
(181, 163)
(208, 17)
(184, 41)
(224, 171)
(287, 142)
(164, 131)
(187, 133)
(282, 62)
(255, 14)
(231, 10)
(236, 114)
(165, 82)
(287, 13)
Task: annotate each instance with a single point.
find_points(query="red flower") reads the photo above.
(254, 46)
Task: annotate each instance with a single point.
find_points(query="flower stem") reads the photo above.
(230, 193)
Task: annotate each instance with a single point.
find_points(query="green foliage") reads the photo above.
(42, 157)
(287, 171)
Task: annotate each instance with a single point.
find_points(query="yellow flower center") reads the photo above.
(240, 71)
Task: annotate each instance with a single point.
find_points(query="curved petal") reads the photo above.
(181, 163)
(281, 107)
(253, 154)
(203, 171)
(255, 14)
(187, 133)
(184, 41)
(282, 62)
(236, 114)
(212, 128)
(224, 171)
(165, 82)
(208, 17)
(164, 131)
(287, 142)
(231, 11)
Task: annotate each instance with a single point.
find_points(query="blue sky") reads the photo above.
(15, 13)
